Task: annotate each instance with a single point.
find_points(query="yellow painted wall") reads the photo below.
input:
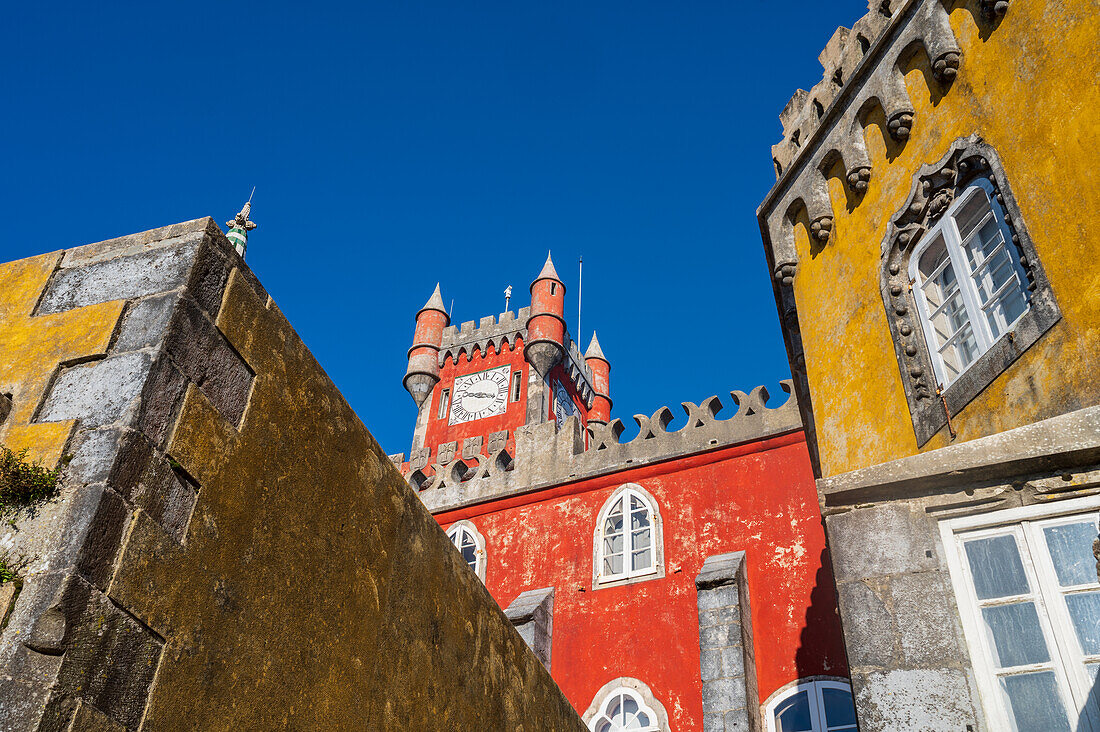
(33, 346)
(1030, 89)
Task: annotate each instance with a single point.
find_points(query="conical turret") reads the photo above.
(546, 326)
(423, 372)
(601, 382)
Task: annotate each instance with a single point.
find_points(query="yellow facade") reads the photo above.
(1029, 89)
(33, 347)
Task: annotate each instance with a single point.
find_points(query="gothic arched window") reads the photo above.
(471, 544)
(628, 541)
(626, 705)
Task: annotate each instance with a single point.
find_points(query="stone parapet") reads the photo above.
(548, 456)
(479, 335)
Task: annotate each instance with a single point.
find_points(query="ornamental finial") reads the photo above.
(240, 226)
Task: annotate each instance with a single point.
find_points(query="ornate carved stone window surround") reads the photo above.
(933, 387)
(626, 704)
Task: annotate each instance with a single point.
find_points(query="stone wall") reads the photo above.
(910, 664)
(230, 549)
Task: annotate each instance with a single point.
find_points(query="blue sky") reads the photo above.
(396, 144)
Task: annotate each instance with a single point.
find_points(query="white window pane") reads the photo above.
(932, 258)
(1070, 548)
(641, 539)
(613, 564)
(1015, 634)
(604, 726)
(793, 715)
(1036, 703)
(996, 567)
(613, 524)
(990, 279)
(984, 242)
(642, 559)
(629, 706)
(1012, 304)
(613, 544)
(950, 319)
(972, 212)
(639, 519)
(1084, 608)
(962, 352)
(1092, 668)
(839, 710)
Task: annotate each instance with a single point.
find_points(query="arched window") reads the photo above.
(623, 705)
(821, 705)
(964, 292)
(471, 544)
(628, 542)
(968, 281)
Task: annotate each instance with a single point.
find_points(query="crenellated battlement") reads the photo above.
(864, 82)
(545, 455)
(479, 335)
(578, 371)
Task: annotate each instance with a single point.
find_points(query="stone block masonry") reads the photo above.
(230, 548)
(727, 665)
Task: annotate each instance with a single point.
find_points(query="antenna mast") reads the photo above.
(580, 287)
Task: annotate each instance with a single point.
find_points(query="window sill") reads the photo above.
(598, 584)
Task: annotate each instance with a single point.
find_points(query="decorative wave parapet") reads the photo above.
(546, 455)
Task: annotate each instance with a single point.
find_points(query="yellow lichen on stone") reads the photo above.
(312, 589)
(33, 346)
(1028, 90)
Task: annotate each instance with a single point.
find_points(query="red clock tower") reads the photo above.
(475, 385)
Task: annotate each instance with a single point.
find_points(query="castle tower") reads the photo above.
(477, 384)
(423, 371)
(600, 367)
(546, 327)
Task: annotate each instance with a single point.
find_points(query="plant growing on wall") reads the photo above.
(23, 483)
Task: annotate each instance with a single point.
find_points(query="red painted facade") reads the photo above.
(759, 498)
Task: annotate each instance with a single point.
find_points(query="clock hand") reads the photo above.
(481, 394)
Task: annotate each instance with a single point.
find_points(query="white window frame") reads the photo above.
(816, 688)
(956, 258)
(468, 528)
(634, 688)
(628, 576)
(1066, 657)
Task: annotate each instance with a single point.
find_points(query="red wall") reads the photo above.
(515, 416)
(759, 498)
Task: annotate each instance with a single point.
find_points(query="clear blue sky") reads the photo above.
(396, 144)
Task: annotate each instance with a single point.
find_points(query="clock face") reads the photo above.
(563, 404)
(484, 394)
